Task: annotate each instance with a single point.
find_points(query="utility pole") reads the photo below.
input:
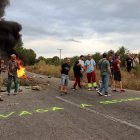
(60, 50)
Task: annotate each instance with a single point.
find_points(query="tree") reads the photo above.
(97, 56)
(55, 60)
(122, 52)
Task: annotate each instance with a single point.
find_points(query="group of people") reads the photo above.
(12, 67)
(109, 66)
(80, 68)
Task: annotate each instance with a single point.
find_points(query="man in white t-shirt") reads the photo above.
(82, 64)
(135, 61)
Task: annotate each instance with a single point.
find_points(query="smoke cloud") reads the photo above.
(3, 4)
(9, 32)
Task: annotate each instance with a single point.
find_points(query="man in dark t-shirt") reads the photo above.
(12, 67)
(117, 73)
(65, 68)
(77, 74)
(128, 63)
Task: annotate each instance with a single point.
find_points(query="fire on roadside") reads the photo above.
(21, 72)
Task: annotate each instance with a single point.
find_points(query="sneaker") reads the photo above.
(122, 90)
(65, 92)
(97, 89)
(89, 89)
(1, 99)
(114, 90)
(100, 93)
(61, 93)
(107, 95)
(15, 93)
(73, 88)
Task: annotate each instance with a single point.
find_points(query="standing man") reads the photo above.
(90, 65)
(65, 68)
(129, 63)
(12, 73)
(105, 70)
(117, 73)
(135, 61)
(82, 64)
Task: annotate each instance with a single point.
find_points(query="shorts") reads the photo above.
(117, 76)
(64, 80)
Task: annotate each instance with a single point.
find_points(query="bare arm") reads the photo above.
(109, 70)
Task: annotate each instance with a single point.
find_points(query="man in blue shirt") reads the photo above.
(90, 70)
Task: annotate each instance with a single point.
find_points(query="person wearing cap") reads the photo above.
(12, 68)
(90, 70)
(105, 70)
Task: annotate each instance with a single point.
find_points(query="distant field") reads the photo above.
(130, 80)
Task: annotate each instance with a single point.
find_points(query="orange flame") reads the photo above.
(21, 72)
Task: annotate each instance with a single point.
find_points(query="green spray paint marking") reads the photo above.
(25, 113)
(85, 105)
(41, 110)
(56, 108)
(6, 116)
(119, 101)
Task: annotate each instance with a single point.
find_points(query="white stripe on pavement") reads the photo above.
(101, 114)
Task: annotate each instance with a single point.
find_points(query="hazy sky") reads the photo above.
(77, 26)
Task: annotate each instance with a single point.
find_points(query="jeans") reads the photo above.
(104, 84)
(64, 79)
(10, 78)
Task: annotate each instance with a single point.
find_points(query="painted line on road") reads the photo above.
(106, 102)
(101, 114)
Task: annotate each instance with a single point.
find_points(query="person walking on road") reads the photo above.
(105, 71)
(12, 67)
(77, 74)
(65, 68)
(90, 65)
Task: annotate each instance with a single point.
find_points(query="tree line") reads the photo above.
(122, 51)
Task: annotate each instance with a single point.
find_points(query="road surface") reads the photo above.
(79, 115)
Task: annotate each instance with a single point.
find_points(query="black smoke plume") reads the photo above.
(9, 32)
(3, 4)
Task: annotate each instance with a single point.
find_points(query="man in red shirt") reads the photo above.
(117, 73)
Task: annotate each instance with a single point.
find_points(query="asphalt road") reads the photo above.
(79, 115)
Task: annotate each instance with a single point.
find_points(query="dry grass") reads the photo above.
(130, 80)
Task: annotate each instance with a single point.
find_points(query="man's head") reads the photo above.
(117, 56)
(89, 56)
(82, 57)
(136, 55)
(13, 57)
(104, 55)
(68, 61)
